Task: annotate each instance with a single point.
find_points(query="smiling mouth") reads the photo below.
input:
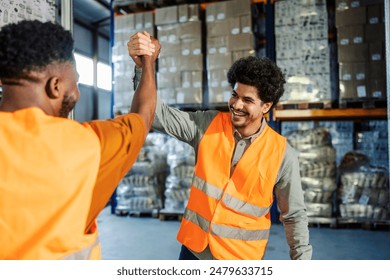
(238, 113)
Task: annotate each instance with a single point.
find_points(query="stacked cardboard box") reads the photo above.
(229, 37)
(302, 50)
(180, 64)
(124, 27)
(361, 57)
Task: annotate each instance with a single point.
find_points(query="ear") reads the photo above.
(53, 87)
(266, 107)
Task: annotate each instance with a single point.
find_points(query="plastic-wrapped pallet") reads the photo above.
(181, 162)
(363, 193)
(141, 190)
(317, 160)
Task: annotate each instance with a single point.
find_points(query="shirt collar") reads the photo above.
(252, 137)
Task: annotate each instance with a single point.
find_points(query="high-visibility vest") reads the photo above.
(48, 169)
(231, 214)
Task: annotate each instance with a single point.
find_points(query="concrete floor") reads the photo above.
(147, 238)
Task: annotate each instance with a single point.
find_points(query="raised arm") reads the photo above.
(144, 55)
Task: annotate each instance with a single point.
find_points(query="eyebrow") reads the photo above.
(245, 97)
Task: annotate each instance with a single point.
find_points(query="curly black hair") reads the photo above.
(32, 45)
(261, 73)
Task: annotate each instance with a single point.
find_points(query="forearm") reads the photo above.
(144, 100)
(179, 124)
(289, 196)
(297, 235)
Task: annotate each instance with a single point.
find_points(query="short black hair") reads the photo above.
(260, 72)
(33, 45)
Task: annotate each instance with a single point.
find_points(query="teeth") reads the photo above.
(238, 114)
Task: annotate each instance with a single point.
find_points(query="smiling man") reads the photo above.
(240, 164)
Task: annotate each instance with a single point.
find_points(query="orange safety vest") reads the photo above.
(232, 214)
(48, 169)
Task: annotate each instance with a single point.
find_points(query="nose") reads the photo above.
(238, 104)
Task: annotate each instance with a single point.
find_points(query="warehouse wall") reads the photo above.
(94, 103)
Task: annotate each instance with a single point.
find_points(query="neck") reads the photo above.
(249, 131)
(17, 96)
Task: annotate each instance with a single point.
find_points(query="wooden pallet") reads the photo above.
(121, 213)
(362, 104)
(166, 214)
(302, 105)
(368, 224)
(322, 222)
(144, 213)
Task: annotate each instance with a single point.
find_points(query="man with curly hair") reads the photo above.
(240, 164)
(58, 174)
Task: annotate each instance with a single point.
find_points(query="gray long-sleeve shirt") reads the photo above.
(189, 127)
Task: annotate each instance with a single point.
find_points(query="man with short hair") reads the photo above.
(241, 162)
(58, 174)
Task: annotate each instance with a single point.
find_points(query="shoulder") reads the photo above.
(121, 128)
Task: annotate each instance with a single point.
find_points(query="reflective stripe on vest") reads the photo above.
(82, 254)
(228, 200)
(225, 231)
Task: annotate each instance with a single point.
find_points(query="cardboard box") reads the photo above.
(168, 33)
(190, 62)
(189, 96)
(191, 29)
(374, 32)
(353, 53)
(371, 2)
(166, 15)
(186, 79)
(170, 49)
(238, 8)
(353, 71)
(148, 20)
(353, 90)
(197, 79)
(246, 24)
(353, 16)
(217, 78)
(234, 25)
(168, 80)
(240, 42)
(217, 44)
(342, 5)
(376, 70)
(188, 12)
(218, 28)
(167, 64)
(219, 94)
(182, 11)
(219, 61)
(378, 89)
(376, 51)
(374, 14)
(244, 53)
(139, 21)
(191, 46)
(211, 12)
(350, 34)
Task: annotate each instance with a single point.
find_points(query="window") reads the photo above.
(104, 76)
(84, 67)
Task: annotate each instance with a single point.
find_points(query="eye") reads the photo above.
(248, 100)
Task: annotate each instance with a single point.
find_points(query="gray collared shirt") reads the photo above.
(189, 127)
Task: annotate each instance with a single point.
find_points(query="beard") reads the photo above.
(237, 119)
(67, 105)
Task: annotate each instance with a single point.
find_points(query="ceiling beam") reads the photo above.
(104, 4)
